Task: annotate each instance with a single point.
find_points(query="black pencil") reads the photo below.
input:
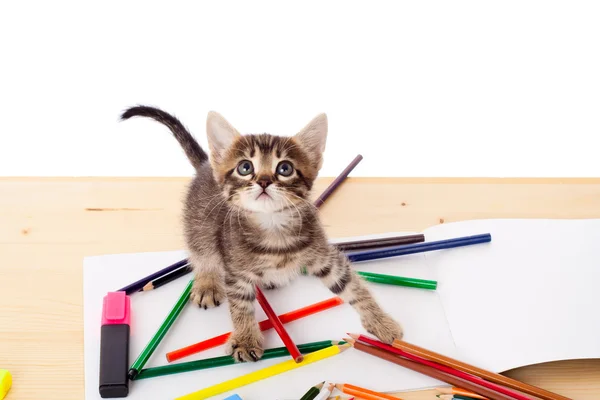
(171, 276)
(381, 242)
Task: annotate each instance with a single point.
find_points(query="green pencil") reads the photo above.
(313, 392)
(398, 280)
(160, 334)
(228, 360)
(392, 280)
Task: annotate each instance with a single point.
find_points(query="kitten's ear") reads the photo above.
(313, 138)
(220, 135)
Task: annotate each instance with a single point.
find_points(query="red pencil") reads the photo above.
(263, 325)
(442, 368)
(278, 326)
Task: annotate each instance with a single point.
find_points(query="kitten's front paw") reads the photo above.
(245, 347)
(207, 293)
(384, 328)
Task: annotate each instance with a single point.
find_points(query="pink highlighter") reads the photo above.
(114, 345)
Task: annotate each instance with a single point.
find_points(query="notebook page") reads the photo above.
(529, 296)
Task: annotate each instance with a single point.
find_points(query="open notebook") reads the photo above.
(527, 297)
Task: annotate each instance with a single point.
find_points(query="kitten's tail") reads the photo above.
(192, 149)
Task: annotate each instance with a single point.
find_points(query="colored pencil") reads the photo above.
(278, 326)
(393, 280)
(263, 325)
(312, 392)
(451, 392)
(364, 393)
(353, 245)
(444, 369)
(337, 181)
(139, 284)
(398, 280)
(342, 246)
(460, 397)
(325, 392)
(263, 373)
(162, 331)
(228, 360)
(170, 277)
(479, 372)
(429, 371)
(367, 255)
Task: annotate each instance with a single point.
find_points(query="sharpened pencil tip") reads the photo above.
(350, 341)
(354, 336)
(148, 286)
(344, 347)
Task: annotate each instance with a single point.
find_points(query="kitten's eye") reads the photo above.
(285, 168)
(245, 168)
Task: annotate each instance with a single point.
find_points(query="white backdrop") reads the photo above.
(449, 88)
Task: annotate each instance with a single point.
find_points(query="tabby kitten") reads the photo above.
(249, 221)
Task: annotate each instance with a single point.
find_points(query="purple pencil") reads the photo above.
(337, 181)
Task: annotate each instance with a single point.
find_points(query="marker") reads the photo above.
(114, 345)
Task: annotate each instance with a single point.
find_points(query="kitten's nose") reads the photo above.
(264, 181)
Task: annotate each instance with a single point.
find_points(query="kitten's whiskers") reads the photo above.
(219, 204)
(279, 193)
(303, 200)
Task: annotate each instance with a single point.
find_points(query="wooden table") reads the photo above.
(48, 225)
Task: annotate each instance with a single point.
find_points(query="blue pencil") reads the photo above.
(367, 255)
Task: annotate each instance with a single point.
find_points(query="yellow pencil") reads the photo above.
(263, 373)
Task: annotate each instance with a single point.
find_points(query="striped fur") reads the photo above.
(244, 229)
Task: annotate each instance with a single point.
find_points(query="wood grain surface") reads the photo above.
(47, 226)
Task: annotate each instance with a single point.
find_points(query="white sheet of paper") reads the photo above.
(419, 311)
(529, 296)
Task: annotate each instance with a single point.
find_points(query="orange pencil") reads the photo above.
(364, 393)
(263, 325)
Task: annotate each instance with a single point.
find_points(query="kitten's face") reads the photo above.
(266, 173)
